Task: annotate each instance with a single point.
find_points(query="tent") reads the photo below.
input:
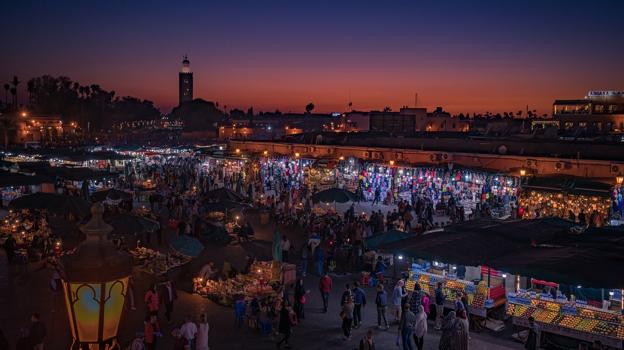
(187, 245)
(542, 248)
(386, 237)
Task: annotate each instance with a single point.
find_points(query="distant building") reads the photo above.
(406, 121)
(271, 126)
(42, 129)
(186, 81)
(599, 111)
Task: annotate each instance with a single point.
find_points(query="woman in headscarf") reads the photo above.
(448, 329)
(421, 327)
(461, 332)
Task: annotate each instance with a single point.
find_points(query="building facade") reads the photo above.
(186, 82)
(598, 112)
(406, 121)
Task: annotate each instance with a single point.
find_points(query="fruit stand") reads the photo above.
(480, 297)
(567, 318)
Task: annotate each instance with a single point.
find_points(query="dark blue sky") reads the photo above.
(463, 55)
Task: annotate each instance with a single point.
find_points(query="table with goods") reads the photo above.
(263, 281)
(567, 318)
(480, 297)
(156, 263)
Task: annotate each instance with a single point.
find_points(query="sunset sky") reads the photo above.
(466, 56)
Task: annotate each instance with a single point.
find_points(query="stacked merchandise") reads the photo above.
(567, 315)
(157, 263)
(262, 281)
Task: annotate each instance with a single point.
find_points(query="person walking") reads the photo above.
(304, 259)
(285, 245)
(37, 332)
(533, 339)
(152, 301)
(460, 341)
(406, 327)
(300, 300)
(439, 303)
(359, 300)
(201, 341)
(345, 294)
(168, 295)
(325, 287)
(397, 296)
(381, 300)
(347, 317)
(420, 328)
(447, 339)
(319, 260)
(367, 342)
(151, 329)
(284, 327)
(189, 331)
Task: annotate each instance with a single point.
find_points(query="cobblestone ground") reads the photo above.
(26, 290)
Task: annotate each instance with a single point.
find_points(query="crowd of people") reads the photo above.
(333, 243)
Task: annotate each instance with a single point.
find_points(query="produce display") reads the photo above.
(477, 295)
(261, 282)
(568, 315)
(157, 263)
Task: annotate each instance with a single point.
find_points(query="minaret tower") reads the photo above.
(186, 81)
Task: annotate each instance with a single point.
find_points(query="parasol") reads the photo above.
(333, 195)
(131, 224)
(112, 194)
(56, 203)
(222, 194)
(187, 245)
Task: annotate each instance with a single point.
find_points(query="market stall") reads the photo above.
(481, 298)
(263, 281)
(156, 263)
(574, 199)
(568, 318)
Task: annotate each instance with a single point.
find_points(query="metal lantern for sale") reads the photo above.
(95, 283)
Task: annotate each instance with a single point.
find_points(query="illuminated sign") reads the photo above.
(605, 94)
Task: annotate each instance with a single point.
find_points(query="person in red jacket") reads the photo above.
(325, 286)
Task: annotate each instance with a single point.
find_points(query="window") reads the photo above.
(568, 125)
(582, 125)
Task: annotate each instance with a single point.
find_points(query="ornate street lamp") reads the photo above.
(95, 282)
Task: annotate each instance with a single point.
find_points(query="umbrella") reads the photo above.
(187, 245)
(224, 206)
(222, 194)
(386, 237)
(112, 194)
(334, 195)
(56, 203)
(131, 224)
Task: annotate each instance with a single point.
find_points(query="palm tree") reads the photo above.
(7, 123)
(14, 97)
(309, 107)
(15, 82)
(30, 87)
(6, 93)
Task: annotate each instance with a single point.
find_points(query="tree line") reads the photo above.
(91, 106)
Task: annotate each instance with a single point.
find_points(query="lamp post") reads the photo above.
(95, 283)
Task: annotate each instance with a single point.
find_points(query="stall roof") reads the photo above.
(14, 179)
(75, 174)
(541, 248)
(569, 185)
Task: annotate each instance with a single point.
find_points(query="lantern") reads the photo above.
(95, 283)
